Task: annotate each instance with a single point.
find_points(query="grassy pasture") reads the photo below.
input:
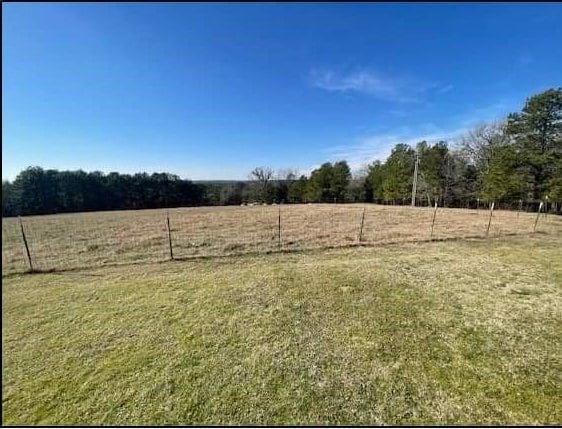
(80, 240)
(436, 332)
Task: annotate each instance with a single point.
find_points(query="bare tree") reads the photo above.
(478, 145)
(287, 174)
(361, 172)
(263, 176)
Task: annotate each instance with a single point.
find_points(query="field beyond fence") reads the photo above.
(79, 240)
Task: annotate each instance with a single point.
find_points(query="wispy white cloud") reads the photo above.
(367, 82)
(445, 88)
(491, 112)
(375, 84)
(364, 150)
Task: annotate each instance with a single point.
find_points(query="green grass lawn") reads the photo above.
(443, 332)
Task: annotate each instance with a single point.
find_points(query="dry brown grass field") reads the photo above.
(71, 241)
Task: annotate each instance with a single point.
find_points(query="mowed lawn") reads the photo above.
(442, 332)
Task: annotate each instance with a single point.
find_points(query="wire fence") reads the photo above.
(80, 240)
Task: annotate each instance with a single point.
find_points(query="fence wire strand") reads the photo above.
(70, 241)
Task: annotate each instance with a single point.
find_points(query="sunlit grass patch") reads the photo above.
(444, 332)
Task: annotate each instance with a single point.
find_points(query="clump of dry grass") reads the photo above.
(85, 239)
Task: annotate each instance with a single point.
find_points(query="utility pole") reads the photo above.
(415, 184)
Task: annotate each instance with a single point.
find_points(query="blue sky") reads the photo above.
(211, 91)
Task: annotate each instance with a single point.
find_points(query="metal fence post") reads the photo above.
(490, 221)
(25, 244)
(538, 215)
(279, 229)
(169, 235)
(361, 228)
(433, 221)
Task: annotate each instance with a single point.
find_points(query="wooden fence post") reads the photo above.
(490, 221)
(433, 221)
(169, 235)
(26, 246)
(538, 215)
(361, 228)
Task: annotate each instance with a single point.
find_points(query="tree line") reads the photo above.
(512, 161)
(38, 191)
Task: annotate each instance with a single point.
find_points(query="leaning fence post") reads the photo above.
(169, 235)
(490, 221)
(433, 221)
(537, 218)
(279, 229)
(361, 228)
(26, 246)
